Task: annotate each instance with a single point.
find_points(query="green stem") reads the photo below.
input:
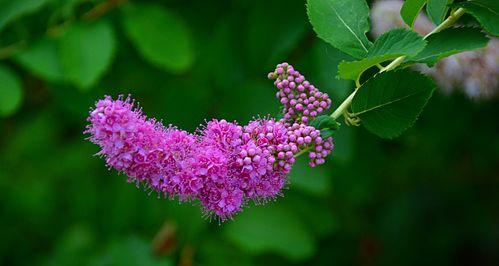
(302, 152)
(343, 106)
(454, 16)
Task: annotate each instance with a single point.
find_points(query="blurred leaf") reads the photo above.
(130, 251)
(312, 180)
(11, 92)
(342, 23)
(187, 113)
(485, 11)
(271, 228)
(13, 9)
(216, 251)
(255, 98)
(437, 10)
(188, 220)
(160, 36)
(73, 246)
(316, 214)
(448, 42)
(24, 145)
(86, 52)
(327, 59)
(223, 57)
(271, 33)
(410, 11)
(390, 45)
(42, 59)
(390, 102)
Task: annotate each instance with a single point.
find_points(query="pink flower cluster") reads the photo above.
(223, 165)
(302, 101)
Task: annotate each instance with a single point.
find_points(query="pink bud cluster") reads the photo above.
(308, 138)
(302, 101)
(224, 166)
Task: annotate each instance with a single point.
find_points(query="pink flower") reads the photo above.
(224, 165)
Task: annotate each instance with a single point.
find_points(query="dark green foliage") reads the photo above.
(486, 12)
(10, 92)
(390, 102)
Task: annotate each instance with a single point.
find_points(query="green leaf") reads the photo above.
(271, 228)
(486, 12)
(14, 9)
(11, 92)
(86, 52)
(437, 10)
(161, 37)
(390, 45)
(326, 133)
(410, 11)
(324, 122)
(450, 41)
(342, 23)
(42, 59)
(390, 102)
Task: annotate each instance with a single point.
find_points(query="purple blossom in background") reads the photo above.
(224, 166)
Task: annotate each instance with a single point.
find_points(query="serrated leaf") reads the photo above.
(437, 10)
(485, 11)
(390, 102)
(86, 52)
(161, 37)
(390, 45)
(450, 41)
(341, 23)
(13, 9)
(42, 59)
(11, 92)
(271, 228)
(410, 11)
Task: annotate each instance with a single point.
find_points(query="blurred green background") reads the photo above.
(430, 197)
